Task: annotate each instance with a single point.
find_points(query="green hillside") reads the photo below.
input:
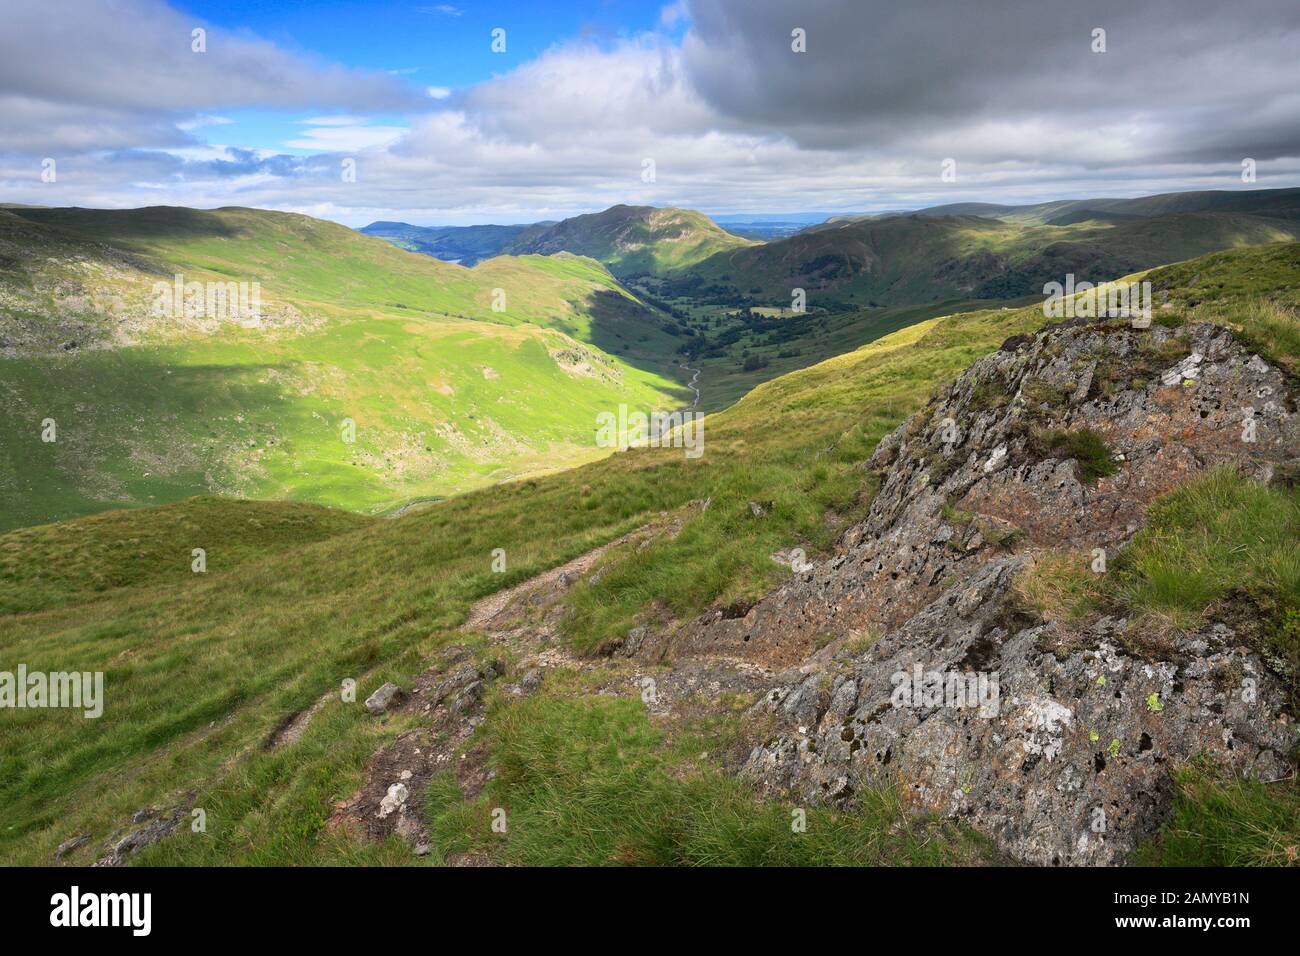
(203, 668)
(1275, 203)
(910, 259)
(442, 389)
(635, 239)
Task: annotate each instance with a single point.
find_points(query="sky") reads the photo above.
(473, 112)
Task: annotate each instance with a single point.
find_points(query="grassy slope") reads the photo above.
(1284, 203)
(200, 670)
(912, 259)
(75, 561)
(441, 387)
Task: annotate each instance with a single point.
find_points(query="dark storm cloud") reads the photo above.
(1206, 80)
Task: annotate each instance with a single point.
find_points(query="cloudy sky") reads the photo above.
(442, 125)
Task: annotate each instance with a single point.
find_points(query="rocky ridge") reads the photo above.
(1063, 754)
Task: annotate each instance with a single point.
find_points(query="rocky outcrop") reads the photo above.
(1054, 738)
(971, 476)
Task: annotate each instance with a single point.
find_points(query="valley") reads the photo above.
(202, 669)
(625, 650)
(433, 386)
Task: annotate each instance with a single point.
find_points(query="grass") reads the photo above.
(441, 388)
(199, 668)
(1085, 446)
(589, 782)
(52, 565)
(1220, 821)
(1217, 537)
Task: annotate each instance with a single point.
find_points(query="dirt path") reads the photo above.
(486, 610)
(448, 698)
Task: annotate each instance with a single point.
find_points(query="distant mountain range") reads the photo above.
(959, 250)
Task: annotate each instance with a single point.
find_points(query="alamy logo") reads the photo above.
(103, 909)
(655, 430)
(951, 689)
(240, 301)
(1071, 300)
(36, 689)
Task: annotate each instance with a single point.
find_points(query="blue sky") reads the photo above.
(439, 45)
(357, 111)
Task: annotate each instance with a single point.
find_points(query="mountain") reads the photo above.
(634, 239)
(678, 651)
(466, 245)
(983, 251)
(354, 333)
(1279, 203)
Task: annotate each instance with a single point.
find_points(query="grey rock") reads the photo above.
(632, 643)
(384, 699)
(469, 697)
(67, 846)
(1066, 758)
(394, 800)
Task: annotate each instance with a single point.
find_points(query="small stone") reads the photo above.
(395, 799)
(633, 641)
(384, 698)
(467, 698)
(67, 846)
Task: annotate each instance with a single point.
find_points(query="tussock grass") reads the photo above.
(590, 782)
(1085, 446)
(1219, 536)
(1224, 821)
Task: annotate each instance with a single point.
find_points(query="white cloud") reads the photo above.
(199, 122)
(333, 134)
(729, 126)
